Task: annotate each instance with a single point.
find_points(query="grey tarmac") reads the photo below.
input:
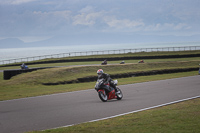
(57, 110)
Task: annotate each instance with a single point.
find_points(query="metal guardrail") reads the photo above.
(86, 53)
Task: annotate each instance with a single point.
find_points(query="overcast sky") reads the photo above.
(33, 20)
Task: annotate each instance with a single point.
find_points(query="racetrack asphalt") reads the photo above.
(57, 110)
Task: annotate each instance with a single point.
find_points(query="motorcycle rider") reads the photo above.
(107, 78)
(24, 66)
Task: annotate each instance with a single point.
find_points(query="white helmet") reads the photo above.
(99, 73)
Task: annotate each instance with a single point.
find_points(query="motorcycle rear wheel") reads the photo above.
(103, 96)
(119, 95)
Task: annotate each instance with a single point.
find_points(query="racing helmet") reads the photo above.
(99, 73)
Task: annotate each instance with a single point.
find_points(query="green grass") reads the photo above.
(181, 117)
(1, 76)
(72, 73)
(99, 62)
(14, 90)
(30, 84)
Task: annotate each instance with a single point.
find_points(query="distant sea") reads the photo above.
(15, 53)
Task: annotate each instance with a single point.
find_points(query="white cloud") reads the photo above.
(16, 2)
(33, 38)
(167, 27)
(181, 26)
(122, 23)
(53, 14)
(50, 23)
(51, 17)
(87, 9)
(87, 19)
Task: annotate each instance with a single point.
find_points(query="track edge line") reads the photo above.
(161, 105)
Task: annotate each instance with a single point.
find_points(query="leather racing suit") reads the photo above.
(107, 79)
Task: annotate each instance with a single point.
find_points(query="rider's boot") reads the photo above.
(116, 91)
(114, 86)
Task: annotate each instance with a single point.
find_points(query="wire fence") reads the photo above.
(86, 53)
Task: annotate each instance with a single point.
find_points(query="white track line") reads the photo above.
(134, 111)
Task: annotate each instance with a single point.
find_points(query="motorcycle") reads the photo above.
(104, 62)
(24, 67)
(106, 92)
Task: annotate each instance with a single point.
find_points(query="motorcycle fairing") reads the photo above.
(112, 95)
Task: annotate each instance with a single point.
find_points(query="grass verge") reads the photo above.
(68, 64)
(14, 90)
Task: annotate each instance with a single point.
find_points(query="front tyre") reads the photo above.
(119, 94)
(103, 96)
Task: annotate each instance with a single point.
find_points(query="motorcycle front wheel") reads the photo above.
(103, 96)
(119, 94)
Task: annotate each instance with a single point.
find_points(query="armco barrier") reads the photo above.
(126, 75)
(7, 74)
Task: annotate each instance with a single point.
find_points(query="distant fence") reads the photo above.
(122, 51)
